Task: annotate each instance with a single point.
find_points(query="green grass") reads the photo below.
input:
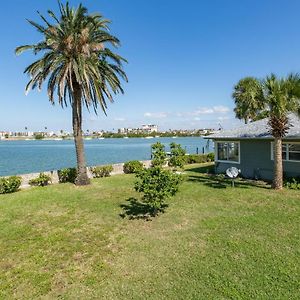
(213, 242)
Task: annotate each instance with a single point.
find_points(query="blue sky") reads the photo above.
(184, 58)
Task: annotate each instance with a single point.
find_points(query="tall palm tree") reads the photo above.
(247, 96)
(79, 66)
(281, 96)
(276, 97)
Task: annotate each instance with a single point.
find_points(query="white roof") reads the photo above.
(258, 129)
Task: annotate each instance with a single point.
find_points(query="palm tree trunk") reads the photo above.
(82, 178)
(278, 171)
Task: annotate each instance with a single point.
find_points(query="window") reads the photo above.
(228, 152)
(290, 151)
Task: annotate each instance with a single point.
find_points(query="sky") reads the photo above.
(184, 58)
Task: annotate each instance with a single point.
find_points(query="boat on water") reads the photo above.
(174, 137)
(149, 137)
(101, 138)
(125, 137)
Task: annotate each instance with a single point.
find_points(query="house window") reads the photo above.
(290, 151)
(228, 152)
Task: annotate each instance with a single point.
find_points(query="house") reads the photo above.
(250, 149)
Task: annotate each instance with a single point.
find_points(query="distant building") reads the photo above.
(149, 128)
(144, 129)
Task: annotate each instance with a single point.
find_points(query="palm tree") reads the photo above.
(276, 97)
(281, 96)
(78, 65)
(247, 96)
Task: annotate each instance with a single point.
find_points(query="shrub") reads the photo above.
(211, 156)
(102, 171)
(199, 158)
(177, 156)
(38, 136)
(158, 154)
(157, 184)
(10, 184)
(41, 180)
(292, 183)
(132, 166)
(67, 175)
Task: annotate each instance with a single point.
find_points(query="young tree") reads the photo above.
(78, 65)
(158, 154)
(177, 159)
(279, 96)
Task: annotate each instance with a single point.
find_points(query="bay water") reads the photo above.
(29, 156)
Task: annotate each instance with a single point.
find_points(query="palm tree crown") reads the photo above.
(247, 96)
(74, 52)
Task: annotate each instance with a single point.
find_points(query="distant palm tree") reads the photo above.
(247, 96)
(276, 97)
(78, 66)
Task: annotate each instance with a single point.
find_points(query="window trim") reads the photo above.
(287, 152)
(227, 161)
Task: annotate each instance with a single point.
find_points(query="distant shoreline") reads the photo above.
(93, 138)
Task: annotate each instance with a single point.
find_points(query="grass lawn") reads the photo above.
(213, 242)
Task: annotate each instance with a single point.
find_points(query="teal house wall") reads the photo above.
(256, 161)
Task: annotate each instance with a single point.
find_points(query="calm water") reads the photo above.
(21, 157)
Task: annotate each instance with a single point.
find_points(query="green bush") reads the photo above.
(199, 158)
(41, 180)
(67, 175)
(177, 159)
(292, 183)
(211, 156)
(39, 136)
(158, 154)
(132, 166)
(102, 171)
(157, 184)
(10, 184)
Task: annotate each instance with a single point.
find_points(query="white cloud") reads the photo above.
(203, 111)
(156, 115)
(221, 109)
(224, 118)
(197, 119)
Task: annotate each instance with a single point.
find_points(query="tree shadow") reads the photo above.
(209, 169)
(136, 210)
(221, 182)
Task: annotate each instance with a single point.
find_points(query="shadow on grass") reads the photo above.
(209, 169)
(135, 210)
(220, 182)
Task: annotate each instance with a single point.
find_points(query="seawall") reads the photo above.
(117, 169)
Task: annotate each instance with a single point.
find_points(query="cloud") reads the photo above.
(224, 118)
(221, 109)
(197, 119)
(156, 115)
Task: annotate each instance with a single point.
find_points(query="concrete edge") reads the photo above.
(117, 169)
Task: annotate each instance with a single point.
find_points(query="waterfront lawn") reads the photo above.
(213, 242)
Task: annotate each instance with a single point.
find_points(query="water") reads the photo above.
(21, 157)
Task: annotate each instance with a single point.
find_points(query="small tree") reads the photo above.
(158, 154)
(177, 159)
(157, 185)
